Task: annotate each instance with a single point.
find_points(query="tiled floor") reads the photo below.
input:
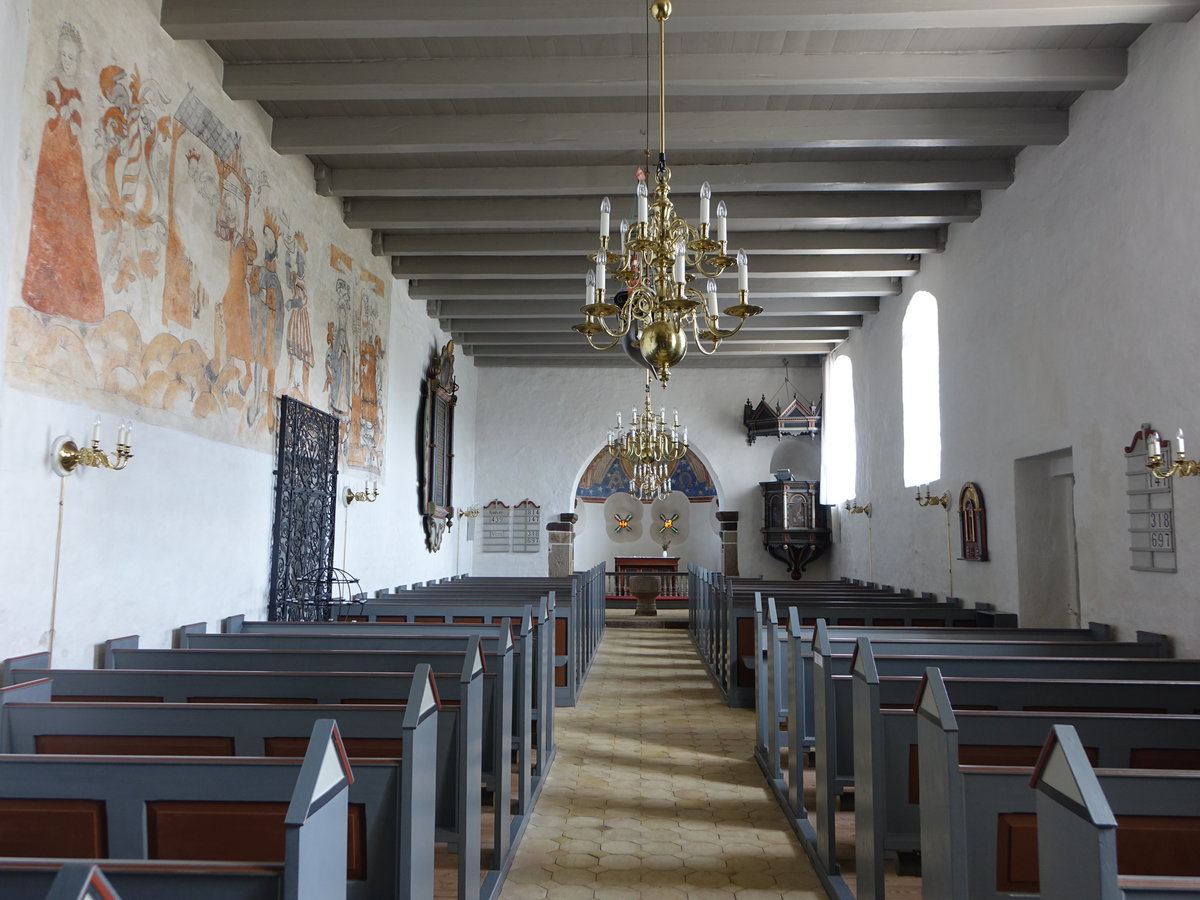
(654, 793)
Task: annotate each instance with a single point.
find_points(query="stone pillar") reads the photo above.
(561, 536)
(729, 542)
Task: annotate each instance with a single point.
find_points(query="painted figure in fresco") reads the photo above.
(299, 327)
(126, 178)
(233, 218)
(62, 276)
(339, 373)
(370, 353)
(179, 295)
(266, 322)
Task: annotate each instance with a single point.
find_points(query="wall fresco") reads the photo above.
(177, 270)
(606, 476)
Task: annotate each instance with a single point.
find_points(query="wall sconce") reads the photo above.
(66, 455)
(1182, 466)
(930, 500)
(863, 510)
(364, 496)
(470, 512)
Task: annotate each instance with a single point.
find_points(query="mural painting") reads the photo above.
(605, 476)
(167, 277)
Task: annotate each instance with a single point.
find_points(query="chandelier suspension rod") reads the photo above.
(662, 11)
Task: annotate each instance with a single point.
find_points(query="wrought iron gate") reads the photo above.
(305, 504)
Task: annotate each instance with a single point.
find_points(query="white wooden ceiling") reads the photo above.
(475, 138)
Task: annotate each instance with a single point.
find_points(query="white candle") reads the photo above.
(1179, 442)
(624, 228)
(643, 207)
(743, 271)
(1155, 444)
(605, 209)
(722, 215)
(680, 251)
(685, 434)
(589, 287)
(618, 420)
(128, 433)
(600, 273)
(96, 430)
(712, 298)
(705, 196)
(676, 418)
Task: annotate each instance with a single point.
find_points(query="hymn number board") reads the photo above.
(515, 529)
(1151, 509)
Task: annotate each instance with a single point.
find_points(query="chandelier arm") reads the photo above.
(616, 340)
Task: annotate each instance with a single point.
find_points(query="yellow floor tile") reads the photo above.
(654, 792)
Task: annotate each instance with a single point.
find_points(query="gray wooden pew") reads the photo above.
(29, 726)
(978, 823)
(452, 766)
(833, 708)
(886, 789)
(521, 637)
(780, 648)
(466, 663)
(500, 683)
(133, 879)
(267, 810)
(541, 612)
(1086, 837)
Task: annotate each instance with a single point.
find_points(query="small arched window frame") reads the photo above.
(839, 439)
(920, 377)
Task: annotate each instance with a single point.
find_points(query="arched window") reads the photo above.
(839, 442)
(921, 391)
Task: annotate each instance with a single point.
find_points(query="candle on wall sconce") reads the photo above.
(930, 500)
(1181, 466)
(368, 495)
(66, 456)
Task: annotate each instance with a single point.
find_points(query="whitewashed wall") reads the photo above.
(1069, 315)
(184, 533)
(539, 428)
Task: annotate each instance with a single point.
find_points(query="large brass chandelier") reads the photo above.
(650, 446)
(661, 260)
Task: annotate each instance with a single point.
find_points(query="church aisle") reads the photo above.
(655, 794)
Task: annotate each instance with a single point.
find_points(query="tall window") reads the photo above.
(839, 442)
(921, 391)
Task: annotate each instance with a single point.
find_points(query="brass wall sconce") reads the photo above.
(930, 500)
(857, 510)
(470, 512)
(66, 456)
(364, 496)
(1181, 466)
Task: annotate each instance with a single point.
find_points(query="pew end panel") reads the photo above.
(28, 661)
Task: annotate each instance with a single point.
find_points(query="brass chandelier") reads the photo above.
(650, 446)
(660, 261)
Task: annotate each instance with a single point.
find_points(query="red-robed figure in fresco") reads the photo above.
(62, 276)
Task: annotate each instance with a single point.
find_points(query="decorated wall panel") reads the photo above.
(172, 266)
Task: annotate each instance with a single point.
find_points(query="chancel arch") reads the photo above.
(602, 492)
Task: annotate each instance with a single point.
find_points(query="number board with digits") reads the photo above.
(1151, 509)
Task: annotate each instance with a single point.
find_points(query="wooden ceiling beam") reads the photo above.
(568, 181)
(557, 322)
(524, 308)
(368, 19)
(747, 212)
(572, 290)
(711, 75)
(529, 268)
(620, 132)
(758, 243)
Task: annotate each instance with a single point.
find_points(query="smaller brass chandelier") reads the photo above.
(651, 446)
(661, 257)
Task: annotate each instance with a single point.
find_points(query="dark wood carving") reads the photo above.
(795, 525)
(972, 523)
(438, 398)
